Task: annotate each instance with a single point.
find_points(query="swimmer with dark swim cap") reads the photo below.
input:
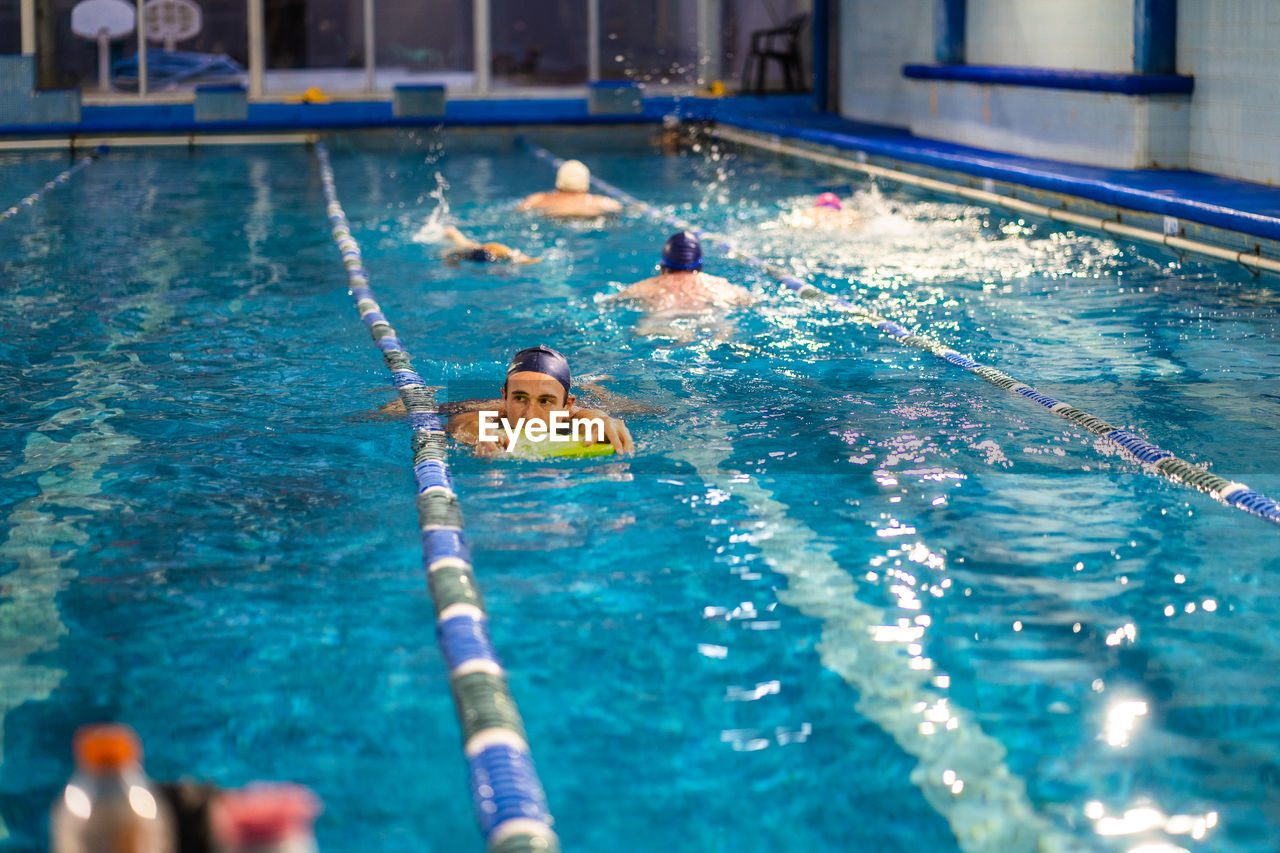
(485, 253)
(681, 284)
(572, 196)
(535, 394)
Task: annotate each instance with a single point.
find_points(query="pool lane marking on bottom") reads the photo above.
(510, 803)
(1150, 456)
(67, 454)
(961, 771)
(61, 178)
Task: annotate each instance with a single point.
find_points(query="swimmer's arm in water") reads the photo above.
(530, 202)
(459, 239)
(495, 252)
(464, 427)
(464, 245)
(520, 258)
(615, 431)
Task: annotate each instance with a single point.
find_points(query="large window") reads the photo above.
(651, 43)
(67, 60)
(541, 43)
(10, 27)
(740, 18)
(313, 44)
(216, 52)
(427, 41)
(370, 46)
(225, 32)
(192, 42)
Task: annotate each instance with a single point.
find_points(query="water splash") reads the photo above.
(432, 231)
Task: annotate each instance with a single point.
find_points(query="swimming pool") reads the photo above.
(845, 596)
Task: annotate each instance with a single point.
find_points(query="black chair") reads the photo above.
(786, 50)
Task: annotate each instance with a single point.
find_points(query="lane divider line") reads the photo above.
(510, 804)
(1150, 456)
(62, 178)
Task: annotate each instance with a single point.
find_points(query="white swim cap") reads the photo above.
(573, 177)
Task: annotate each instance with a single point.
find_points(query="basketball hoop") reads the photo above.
(172, 21)
(102, 21)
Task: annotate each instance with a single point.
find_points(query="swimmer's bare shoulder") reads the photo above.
(570, 205)
(733, 293)
(639, 290)
(464, 427)
(604, 204)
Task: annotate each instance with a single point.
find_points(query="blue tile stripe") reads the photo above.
(61, 178)
(510, 805)
(1157, 459)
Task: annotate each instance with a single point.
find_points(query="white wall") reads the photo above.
(876, 40)
(1087, 35)
(1095, 128)
(1230, 126)
(1233, 49)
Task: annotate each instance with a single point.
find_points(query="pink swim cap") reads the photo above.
(828, 200)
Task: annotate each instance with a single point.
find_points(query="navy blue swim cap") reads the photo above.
(542, 359)
(480, 254)
(682, 252)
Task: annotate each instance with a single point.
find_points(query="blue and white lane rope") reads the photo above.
(60, 179)
(510, 803)
(1150, 456)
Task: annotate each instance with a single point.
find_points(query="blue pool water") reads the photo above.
(845, 596)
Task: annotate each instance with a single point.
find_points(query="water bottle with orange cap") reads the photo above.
(109, 805)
